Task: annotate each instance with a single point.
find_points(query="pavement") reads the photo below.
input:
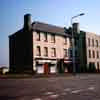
(79, 87)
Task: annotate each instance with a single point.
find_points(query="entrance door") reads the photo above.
(46, 69)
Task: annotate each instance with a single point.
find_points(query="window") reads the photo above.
(97, 54)
(65, 53)
(89, 53)
(96, 43)
(93, 54)
(53, 52)
(45, 51)
(53, 38)
(88, 41)
(70, 41)
(45, 37)
(65, 40)
(93, 42)
(38, 36)
(38, 50)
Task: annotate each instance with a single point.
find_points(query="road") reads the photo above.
(80, 87)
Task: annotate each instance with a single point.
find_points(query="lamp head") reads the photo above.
(82, 14)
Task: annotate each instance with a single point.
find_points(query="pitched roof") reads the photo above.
(39, 26)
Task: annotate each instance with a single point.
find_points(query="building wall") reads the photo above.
(92, 48)
(59, 45)
(20, 51)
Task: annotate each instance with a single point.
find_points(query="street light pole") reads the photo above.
(73, 45)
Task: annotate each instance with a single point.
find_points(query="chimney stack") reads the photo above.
(76, 28)
(27, 22)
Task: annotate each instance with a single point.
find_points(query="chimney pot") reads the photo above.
(27, 21)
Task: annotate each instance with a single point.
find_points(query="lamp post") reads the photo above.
(73, 45)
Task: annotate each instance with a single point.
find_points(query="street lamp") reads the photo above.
(73, 45)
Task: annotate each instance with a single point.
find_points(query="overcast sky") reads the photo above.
(57, 12)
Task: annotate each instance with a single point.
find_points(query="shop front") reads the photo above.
(45, 66)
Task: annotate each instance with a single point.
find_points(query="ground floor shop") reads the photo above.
(50, 66)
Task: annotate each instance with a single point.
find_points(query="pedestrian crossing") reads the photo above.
(49, 95)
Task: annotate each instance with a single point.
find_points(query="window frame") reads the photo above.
(38, 48)
(45, 37)
(89, 42)
(97, 43)
(39, 36)
(54, 52)
(46, 51)
(93, 52)
(53, 40)
(89, 53)
(93, 42)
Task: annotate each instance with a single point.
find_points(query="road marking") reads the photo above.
(54, 96)
(37, 99)
(76, 91)
(67, 89)
(91, 88)
(49, 93)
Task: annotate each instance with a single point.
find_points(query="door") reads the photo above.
(46, 69)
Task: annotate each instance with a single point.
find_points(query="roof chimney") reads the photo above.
(76, 28)
(27, 21)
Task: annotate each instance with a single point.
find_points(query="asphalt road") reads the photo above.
(80, 87)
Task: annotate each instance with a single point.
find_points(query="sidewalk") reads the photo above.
(52, 75)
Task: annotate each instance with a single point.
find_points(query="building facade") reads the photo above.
(89, 50)
(40, 47)
(44, 48)
(93, 49)
(50, 48)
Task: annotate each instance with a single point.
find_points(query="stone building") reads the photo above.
(40, 47)
(93, 49)
(89, 50)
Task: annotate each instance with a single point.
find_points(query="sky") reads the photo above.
(56, 12)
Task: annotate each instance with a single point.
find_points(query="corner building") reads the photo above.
(40, 47)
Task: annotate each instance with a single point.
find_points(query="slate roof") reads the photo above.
(43, 27)
(39, 26)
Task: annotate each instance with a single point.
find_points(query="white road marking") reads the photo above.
(67, 89)
(91, 88)
(37, 99)
(54, 96)
(76, 91)
(48, 93)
